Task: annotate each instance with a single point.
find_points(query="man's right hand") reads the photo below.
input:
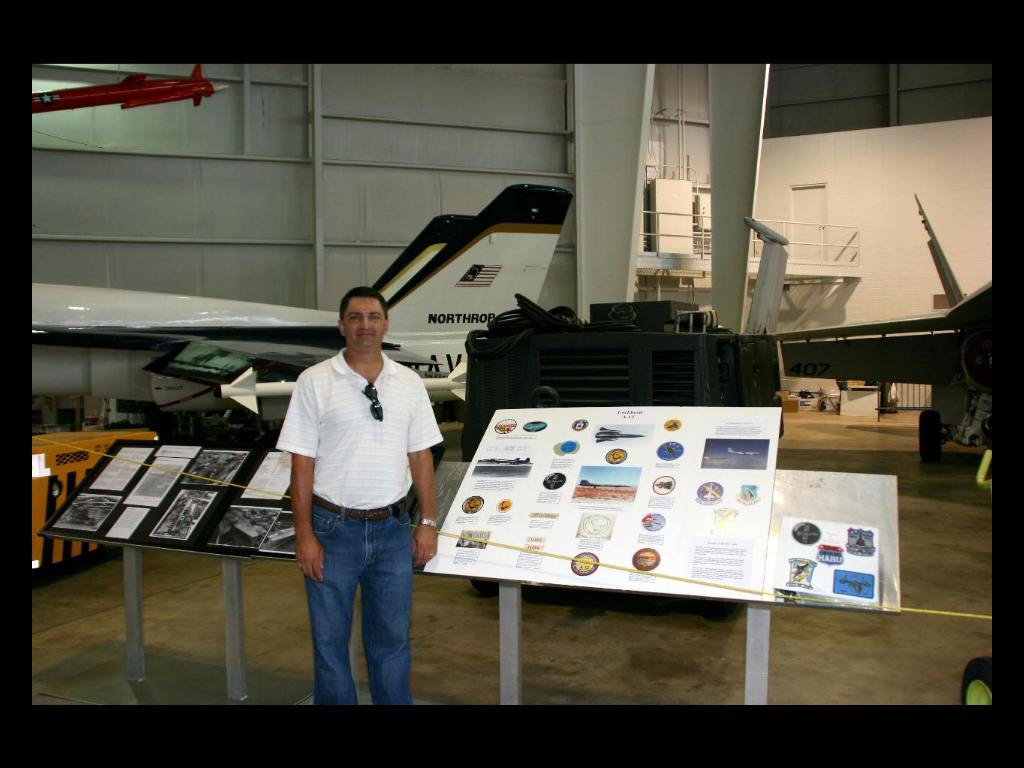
(309, 554)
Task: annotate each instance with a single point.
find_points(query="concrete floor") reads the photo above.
(578, 646)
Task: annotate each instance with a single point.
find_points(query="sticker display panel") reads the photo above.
(618, 498)
(827, 560)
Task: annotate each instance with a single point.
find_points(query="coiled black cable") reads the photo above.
(530, 318)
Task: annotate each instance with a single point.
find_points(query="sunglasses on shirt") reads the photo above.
(376, 409)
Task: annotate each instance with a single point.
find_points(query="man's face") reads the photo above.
(363, 324)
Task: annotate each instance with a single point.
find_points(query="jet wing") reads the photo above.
(973, 310)
(923, 349)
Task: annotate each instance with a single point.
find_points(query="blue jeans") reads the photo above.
(376, 554)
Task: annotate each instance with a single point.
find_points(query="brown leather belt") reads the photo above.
(358, 514)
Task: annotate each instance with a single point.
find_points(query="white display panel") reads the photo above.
(619, 498)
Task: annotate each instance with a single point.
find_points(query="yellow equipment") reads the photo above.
(67, 456)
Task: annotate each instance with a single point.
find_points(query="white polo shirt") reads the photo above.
(360, 462)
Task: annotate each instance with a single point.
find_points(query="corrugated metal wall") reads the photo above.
(219, 200)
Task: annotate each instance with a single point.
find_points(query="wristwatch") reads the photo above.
(430, 523)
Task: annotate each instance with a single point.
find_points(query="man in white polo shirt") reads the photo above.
(359, 428)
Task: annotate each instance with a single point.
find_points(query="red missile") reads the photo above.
(133, 91)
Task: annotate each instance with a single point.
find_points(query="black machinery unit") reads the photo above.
(620, 368)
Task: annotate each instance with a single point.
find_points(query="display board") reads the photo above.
(258, 520)
(183, 495)
(827, 560)
(669, 500)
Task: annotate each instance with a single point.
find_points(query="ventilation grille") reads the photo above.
(71, 458)
(585, 377)
(674, 378)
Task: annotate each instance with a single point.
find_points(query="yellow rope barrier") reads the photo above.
(755, 592)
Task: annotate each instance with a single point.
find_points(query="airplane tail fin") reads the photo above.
(771, 278)
(197, 72)
(461, 269)
(949, 284)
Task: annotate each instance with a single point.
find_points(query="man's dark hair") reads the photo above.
(362, 292)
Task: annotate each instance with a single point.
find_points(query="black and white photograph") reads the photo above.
(87, 512)
(506, 460)
(211, 466)
(473, 539)
(184, 515)
(243, 526)
(281, 536)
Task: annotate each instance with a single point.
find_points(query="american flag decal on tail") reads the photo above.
(479, 275)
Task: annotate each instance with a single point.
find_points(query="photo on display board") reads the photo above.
(215, 465)
(243, 526)
(280, 538)
(87, 512)
(500, 464)
(735, 453)
(184, 515)
(607, 485)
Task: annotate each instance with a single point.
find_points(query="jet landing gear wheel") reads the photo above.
(976, 687)
(929, 436)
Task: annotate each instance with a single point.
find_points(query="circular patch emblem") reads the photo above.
(585, 563)
(653, 521)
(505, 426)
(615, 456)
(554, 480)
(673, 424)
(473, 504)
(806, 533)
(670, 451)
(568, 446)
(664, 485)
(505, 505)
(580, 424)
(646, 559)
(710, 493)
(535, 426)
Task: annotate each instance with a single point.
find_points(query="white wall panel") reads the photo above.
(289, 73)
(278, 123)
(267, 274)
(872, 176)
(435, 93)
(245, 199)
(85, 193)
(434, 145)
(67, 263)
(94, 194)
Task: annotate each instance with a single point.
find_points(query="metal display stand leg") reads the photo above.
(759, 617)
(234, 634)
(510, 617)
(135, 656)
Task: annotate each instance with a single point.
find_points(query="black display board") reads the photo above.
(164, 494)
(159, 494)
